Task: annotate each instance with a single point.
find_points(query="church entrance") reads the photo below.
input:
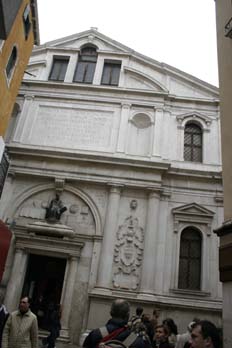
(43, 284)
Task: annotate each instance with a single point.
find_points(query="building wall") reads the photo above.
(115, 156)
(224, 43)
(9, 88)
(223, 15)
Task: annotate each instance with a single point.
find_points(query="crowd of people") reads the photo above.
(141, 331)
(19, 329)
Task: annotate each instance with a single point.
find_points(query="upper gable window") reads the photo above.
(111, 73)
(26, 21)
(59, 68)
(11, 63)
(86, 65)
(192, 143)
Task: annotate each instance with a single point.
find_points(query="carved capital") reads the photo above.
(153, 192)
(29, 97)
(115, 188)
(125, 106)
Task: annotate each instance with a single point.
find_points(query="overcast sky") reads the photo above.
(181, 33)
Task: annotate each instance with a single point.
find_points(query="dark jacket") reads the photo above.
(94, 337)
(3, 318)
(164, 344)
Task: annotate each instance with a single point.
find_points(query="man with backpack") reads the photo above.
(117, 328)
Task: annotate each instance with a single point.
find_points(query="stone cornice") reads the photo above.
(153, 171)
(67, 88)
(168, 301)
(92, 158)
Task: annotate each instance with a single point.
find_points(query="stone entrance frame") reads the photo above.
(40, 238)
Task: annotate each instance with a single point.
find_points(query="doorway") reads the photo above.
(43, 284)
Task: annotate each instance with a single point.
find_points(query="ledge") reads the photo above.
(192, 293)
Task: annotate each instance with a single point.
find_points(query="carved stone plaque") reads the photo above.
(128, 253)
(75, 128)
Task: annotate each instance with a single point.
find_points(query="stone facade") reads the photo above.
(114, 153)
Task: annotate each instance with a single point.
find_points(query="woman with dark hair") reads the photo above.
(171, 328)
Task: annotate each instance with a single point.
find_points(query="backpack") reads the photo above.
(106, 336)
(136, 327)
(114, 343)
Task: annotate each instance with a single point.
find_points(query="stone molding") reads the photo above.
(203, 120)
(191, 214)
(29, 241)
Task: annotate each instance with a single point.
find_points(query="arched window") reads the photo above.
(192, 143)
(86, 65)
(190, 259)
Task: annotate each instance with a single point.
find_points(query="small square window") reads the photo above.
(59, 69)
(111, 73)
(26, 21)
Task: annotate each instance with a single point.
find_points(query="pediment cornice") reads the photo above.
(193, 209)
(204, 120)
(153, 82)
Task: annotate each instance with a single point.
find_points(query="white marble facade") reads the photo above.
(115, 156)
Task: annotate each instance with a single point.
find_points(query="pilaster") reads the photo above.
(67, 295)
(149, 260)
(15, 284)
(110, 228)
(125, 111)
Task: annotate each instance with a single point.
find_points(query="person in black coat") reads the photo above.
(3, 317)
(54, 326)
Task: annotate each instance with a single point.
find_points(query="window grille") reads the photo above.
(190, 260)
(193, 143)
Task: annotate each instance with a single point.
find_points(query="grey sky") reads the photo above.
(181, 33)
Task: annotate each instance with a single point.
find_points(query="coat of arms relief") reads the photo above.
(128, 252)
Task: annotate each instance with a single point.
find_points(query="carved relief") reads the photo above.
(128, 252)
(78, 216)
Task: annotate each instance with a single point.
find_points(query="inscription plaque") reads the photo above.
(75, 128)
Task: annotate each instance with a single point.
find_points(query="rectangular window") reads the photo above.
(4, 166)
(84, 72)
(59, 69)
(11, 63)
(26, 21)
(111, 73)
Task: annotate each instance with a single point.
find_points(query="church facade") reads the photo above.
(114, 187)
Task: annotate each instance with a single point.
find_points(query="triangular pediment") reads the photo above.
(93, 37)
(193, 209)
(141, 72)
